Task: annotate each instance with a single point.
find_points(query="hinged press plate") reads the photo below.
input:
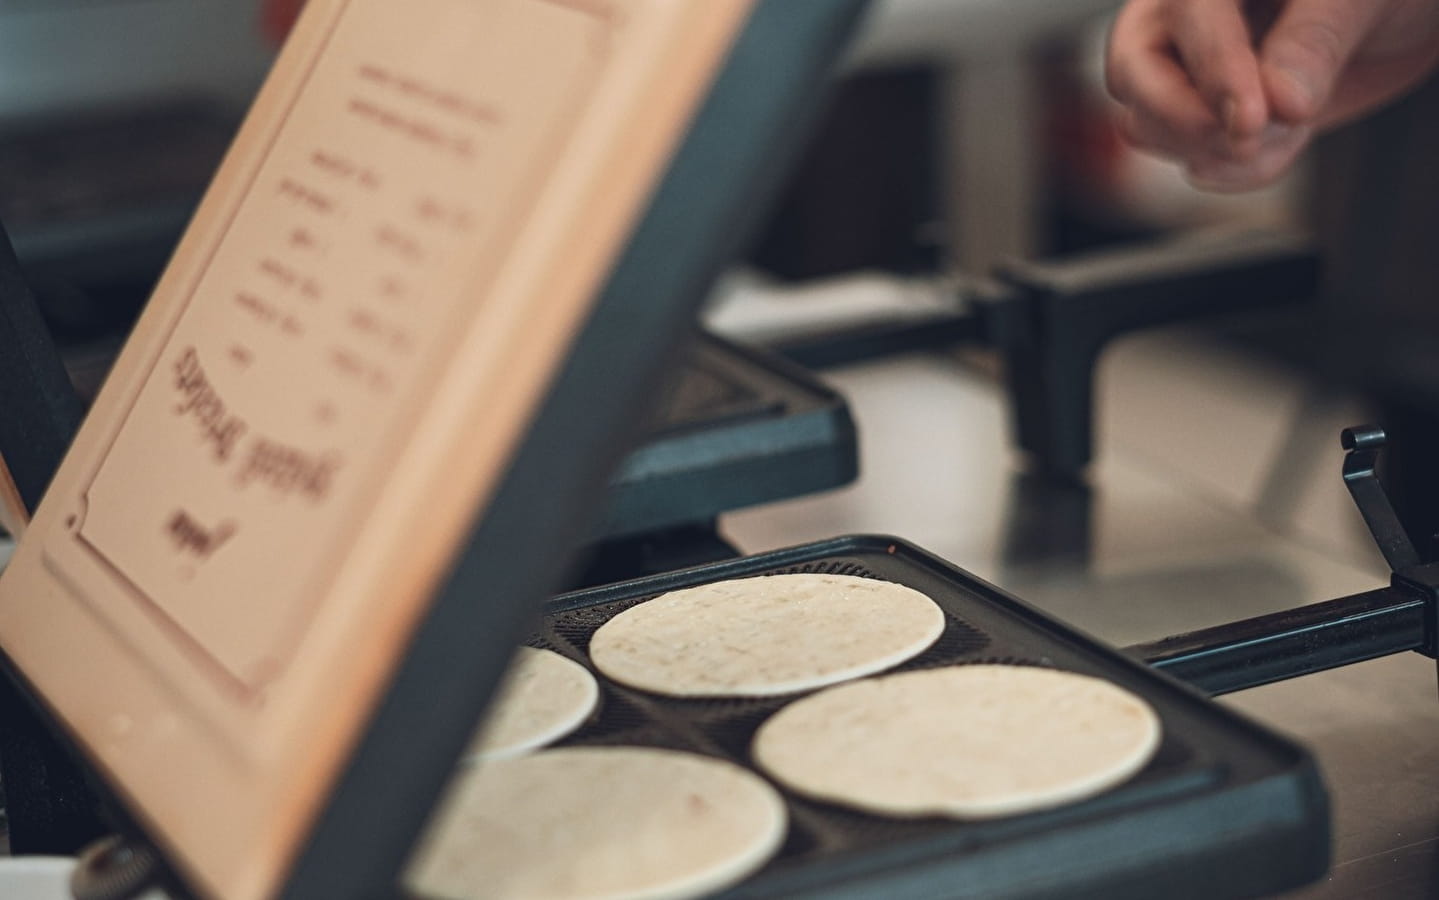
(325, 388)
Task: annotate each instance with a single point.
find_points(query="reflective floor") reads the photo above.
(1216, 496)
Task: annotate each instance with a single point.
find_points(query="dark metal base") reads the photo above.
(1224, 808)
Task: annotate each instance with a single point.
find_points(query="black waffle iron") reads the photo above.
(1226, 809)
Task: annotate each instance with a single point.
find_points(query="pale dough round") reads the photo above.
(543, 698)
(969, 742)
(774, 634)
(600, 822)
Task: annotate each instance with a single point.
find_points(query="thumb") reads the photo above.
(1306, 50)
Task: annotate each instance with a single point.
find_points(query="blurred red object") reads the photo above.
(278, 16)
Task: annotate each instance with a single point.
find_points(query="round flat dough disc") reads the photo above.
(774, 634)
(969, 742)
(545, 696)
(600, 822)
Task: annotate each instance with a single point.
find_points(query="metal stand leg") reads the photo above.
(1065, 313)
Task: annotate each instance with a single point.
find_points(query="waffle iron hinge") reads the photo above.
(1275, 647)
(1413, 570)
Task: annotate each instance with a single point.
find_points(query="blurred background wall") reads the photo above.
(963, 132)
(60, 55)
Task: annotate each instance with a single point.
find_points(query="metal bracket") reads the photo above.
(1321, 636)
(1424, 579)
(1411, 569)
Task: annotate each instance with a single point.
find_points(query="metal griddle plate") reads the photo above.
(1225, 809)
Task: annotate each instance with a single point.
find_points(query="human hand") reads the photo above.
(1235, 89)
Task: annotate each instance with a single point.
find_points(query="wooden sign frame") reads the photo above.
(309, 773)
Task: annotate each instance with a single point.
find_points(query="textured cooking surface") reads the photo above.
(976, 632)
(703, 396)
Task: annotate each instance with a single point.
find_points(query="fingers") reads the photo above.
(1279, 147)
(1211, 146)
(1143, 74)
(1157, 92)
(1187, 72)
(1212, 164)
(1304, 53)
(1194, 89)
(1366, 85)
(1213, 41)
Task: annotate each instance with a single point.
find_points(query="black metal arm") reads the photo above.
(1283, 645)
(1294, 642)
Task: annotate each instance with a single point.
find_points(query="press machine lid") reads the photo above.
(364, 416)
